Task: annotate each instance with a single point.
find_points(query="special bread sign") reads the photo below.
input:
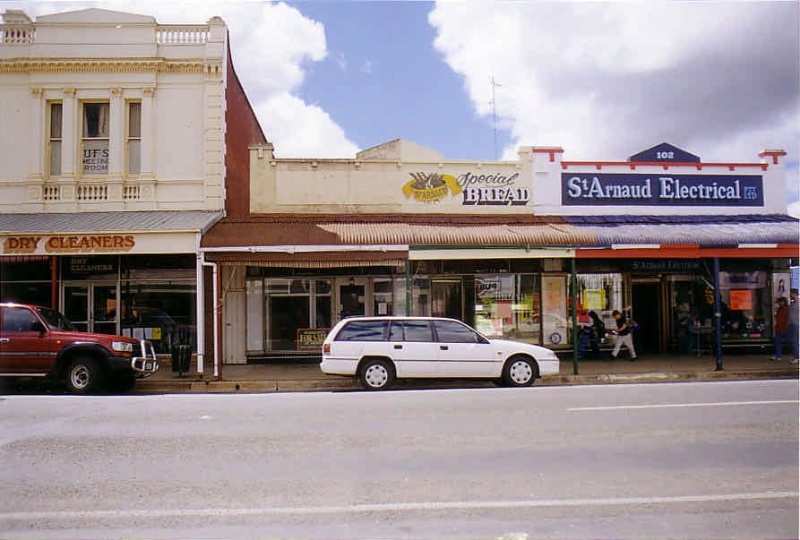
(80, 243)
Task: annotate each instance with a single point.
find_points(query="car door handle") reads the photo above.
(444, 347)
(4, 340)
(398, 346)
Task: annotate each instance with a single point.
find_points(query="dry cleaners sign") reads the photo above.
(660, 190)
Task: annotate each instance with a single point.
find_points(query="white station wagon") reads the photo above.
(379, 350)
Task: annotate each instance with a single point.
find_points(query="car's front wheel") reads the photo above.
(376, 374)
(84, 376)
(519, 371)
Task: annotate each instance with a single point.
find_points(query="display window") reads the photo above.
(507, 306)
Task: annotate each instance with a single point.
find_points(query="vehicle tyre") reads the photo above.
(84, 376)
(519, 371)
(376, 374)
(122, 384)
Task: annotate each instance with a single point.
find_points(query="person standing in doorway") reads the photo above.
(781, 328)
(794, 314)
(624, 337)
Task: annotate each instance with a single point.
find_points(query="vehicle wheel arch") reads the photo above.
(367, 363)
(506, 377)
(73, 351)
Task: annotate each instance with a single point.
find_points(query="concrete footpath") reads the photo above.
(307, 377)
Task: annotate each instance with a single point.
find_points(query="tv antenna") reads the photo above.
(495, 84)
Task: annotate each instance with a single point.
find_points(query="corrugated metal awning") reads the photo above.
(421, 230)
(713, 231)
(107, 222)
(319, 260)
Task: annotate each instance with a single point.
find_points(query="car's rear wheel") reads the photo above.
(376, 374)
(519, 371)
(84, 376)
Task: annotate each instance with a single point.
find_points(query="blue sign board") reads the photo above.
(586, 189)
(665, 152)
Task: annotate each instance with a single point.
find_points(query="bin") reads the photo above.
(181, 355)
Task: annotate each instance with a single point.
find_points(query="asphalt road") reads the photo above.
(671, 460)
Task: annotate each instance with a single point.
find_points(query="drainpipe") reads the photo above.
(717, 318)
(201, 326)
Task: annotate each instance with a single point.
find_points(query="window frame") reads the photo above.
(85, 138)
(51, 139)
(129, 137)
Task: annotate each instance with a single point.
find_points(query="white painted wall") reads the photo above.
(111, 56)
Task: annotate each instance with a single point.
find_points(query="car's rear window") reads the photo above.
(416, 331)
(363, 331)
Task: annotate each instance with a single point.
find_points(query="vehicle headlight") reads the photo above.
(122, 346)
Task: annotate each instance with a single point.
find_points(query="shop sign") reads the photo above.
(87, 243)
(743, 280)
(661, 265)
(95, 157)
(430, 187)
(310, 339)
(85, 266)
(661, 190)
(496, 189)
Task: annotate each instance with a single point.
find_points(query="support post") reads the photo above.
(573, 285)
(717, 318)
(408, 287)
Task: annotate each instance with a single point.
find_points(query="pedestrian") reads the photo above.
(598, 335)
(781, 328)
(624, 336)
(794, 314)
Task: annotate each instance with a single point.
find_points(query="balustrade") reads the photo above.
(182, 35)
(17, 34)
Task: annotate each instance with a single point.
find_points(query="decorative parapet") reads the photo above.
(17, 34)
(173, 34)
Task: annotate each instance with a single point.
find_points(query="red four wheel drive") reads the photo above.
(39, 342)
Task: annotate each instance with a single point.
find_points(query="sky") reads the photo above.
(474, 80)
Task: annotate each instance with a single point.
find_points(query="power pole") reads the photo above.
(494, 115)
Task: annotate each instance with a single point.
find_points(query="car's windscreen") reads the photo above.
(362, 331)
(54, 319)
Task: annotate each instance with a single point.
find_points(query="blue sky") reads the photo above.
(603, 80)
(390, 78)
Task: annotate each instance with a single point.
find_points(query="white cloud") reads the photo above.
(605, 80)
(305, 130)
(272, 46)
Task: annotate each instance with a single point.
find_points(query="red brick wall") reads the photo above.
(242, 130)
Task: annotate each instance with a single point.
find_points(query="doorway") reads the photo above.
(647, 311)
(447, 299)
(92, 307)
(352, 297)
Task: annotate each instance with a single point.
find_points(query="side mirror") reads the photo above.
(38, 327)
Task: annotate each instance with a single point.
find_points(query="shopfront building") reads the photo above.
(122, 280)
(513, 248)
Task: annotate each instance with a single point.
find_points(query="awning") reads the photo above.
(419, 230)
(109, 222)
(318, 260)
(703, 231)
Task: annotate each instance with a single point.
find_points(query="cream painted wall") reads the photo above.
(361, 186)
(121, 57)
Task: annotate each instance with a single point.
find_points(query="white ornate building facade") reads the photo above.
(117, 140)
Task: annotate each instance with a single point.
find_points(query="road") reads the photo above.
(663, 460)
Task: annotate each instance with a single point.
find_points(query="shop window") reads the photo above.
(507, 305)
(601, 293)
(94, 141)
(746, 305)
(134, 138)
(161, 311)
(54, 138)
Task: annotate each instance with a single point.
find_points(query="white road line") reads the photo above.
(391, 507)
(684, 405)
